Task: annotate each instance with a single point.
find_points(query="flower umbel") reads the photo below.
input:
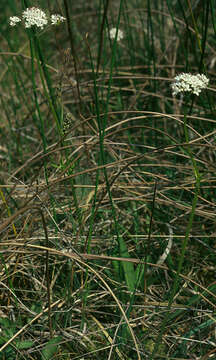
(113, 34)
(34, 16)
(14, 20)
(189, 83)
(57, 19)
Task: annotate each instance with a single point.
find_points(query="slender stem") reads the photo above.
(47, 275)
(101, 35)
(195, 168)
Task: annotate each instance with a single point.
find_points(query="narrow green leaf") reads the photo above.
(26, 344)
(128, 267)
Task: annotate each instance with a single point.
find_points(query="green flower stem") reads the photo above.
(32, 49)
(44, 75)
(46, 83)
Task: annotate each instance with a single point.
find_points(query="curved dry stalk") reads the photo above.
(82, 257)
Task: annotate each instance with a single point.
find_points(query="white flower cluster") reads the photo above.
(36, 17)
(112, 34)
(14, 20)
(189, 83)
(57, 19)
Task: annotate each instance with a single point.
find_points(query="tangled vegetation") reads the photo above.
(107, 179)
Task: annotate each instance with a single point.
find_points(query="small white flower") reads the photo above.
(189, 83)
(14, 20)
(34, 16)
(57, 19)
(113, 34)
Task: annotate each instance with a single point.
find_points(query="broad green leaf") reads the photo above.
(51, 348)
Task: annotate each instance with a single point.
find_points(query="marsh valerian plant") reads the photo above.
(34, 18)
(191, 85)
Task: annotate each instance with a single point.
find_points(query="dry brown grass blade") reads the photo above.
(80, 260)
(82, 257)
(19, 212)
(107, 336)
